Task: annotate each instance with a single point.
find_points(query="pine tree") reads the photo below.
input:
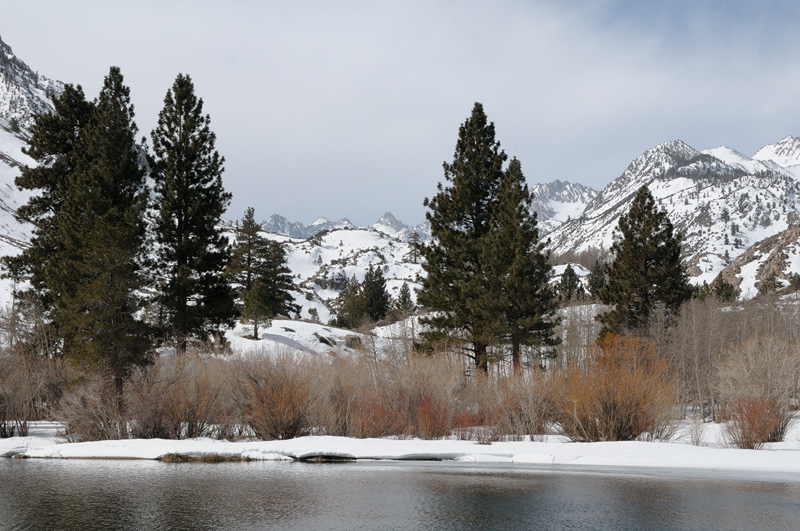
(258, 266)
(404, 301)
(249, 244)
(101, 239)
(53, 145)
(457, 287)
(569, 287)
(414, 244)
(375, 299)
(647, 269)
(350, 306)
(192, 251)
(523, 302)
(596, 279)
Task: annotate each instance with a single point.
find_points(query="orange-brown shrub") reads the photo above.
(753, 422)
(621, 392)
(275, 395)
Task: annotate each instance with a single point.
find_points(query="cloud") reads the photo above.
(349, 108)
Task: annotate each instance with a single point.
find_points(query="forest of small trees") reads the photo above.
(118, 274)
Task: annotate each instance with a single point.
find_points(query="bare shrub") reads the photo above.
(365, 397)
(525, 405)
(760, 375)
(621, 393)
(275, 395)
(89, 410)
(29, 385)
(181, 397)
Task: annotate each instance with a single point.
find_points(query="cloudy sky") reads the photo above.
(349, 108)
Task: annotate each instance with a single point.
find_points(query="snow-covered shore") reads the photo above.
(782, 458)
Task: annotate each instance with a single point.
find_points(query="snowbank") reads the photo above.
(783, 458)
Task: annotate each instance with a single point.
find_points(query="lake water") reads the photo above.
(75, 494)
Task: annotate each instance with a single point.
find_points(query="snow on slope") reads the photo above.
(774, 258)
(719, 199)
(323, 263)
(557, 201)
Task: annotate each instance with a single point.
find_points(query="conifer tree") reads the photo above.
(597, 279)
(53, 145)
(192, 252)
(523, 301)
(457, 287)
(259, 267)
(647, 269)
(569, 287)
(101, 241)
(376, 300)
(404, 302)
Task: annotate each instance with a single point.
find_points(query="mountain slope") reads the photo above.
(719, 199)
(557, 202)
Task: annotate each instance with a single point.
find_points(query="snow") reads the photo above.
(713, 455)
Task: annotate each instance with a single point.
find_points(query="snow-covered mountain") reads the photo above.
(23, 92)
(323, 263)
(559, 201)
(721, 200)
(387, 224)
(772, 260)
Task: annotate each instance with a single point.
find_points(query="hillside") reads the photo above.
(721, 200)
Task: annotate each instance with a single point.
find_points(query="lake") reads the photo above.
(99, 494)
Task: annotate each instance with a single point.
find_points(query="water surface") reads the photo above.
(91, 494)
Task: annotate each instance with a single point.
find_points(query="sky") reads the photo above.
(349, 108)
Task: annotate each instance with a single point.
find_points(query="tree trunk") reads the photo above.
(516, 357)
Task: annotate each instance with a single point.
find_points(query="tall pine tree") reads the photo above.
(524, 302)
(458, 286)
(192, 252)
(53, 145)
(647, 269)
(101, 241)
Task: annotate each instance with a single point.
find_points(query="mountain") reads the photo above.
(721, 200)
(23, 92)
(323, 264)
(557, 202)
(785, 153)
(387, 224)
(772, 260)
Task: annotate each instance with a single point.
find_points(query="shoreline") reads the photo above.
(710, 460)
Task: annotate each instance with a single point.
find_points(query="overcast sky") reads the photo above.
(348, 108)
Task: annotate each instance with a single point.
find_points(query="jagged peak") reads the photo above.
(786, 152)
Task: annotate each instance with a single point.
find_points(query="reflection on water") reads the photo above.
(151, 495)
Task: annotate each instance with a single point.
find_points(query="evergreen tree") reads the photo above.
(375, 299)
(569, 287)
(458, 288)
(404, 301)
(258, 266)
(192, 251)
(350, 306)
(53, 145)
(414, 243)
(597, 279)
(647, 269)
(101, 239)
(522, 300)
(248, 246)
